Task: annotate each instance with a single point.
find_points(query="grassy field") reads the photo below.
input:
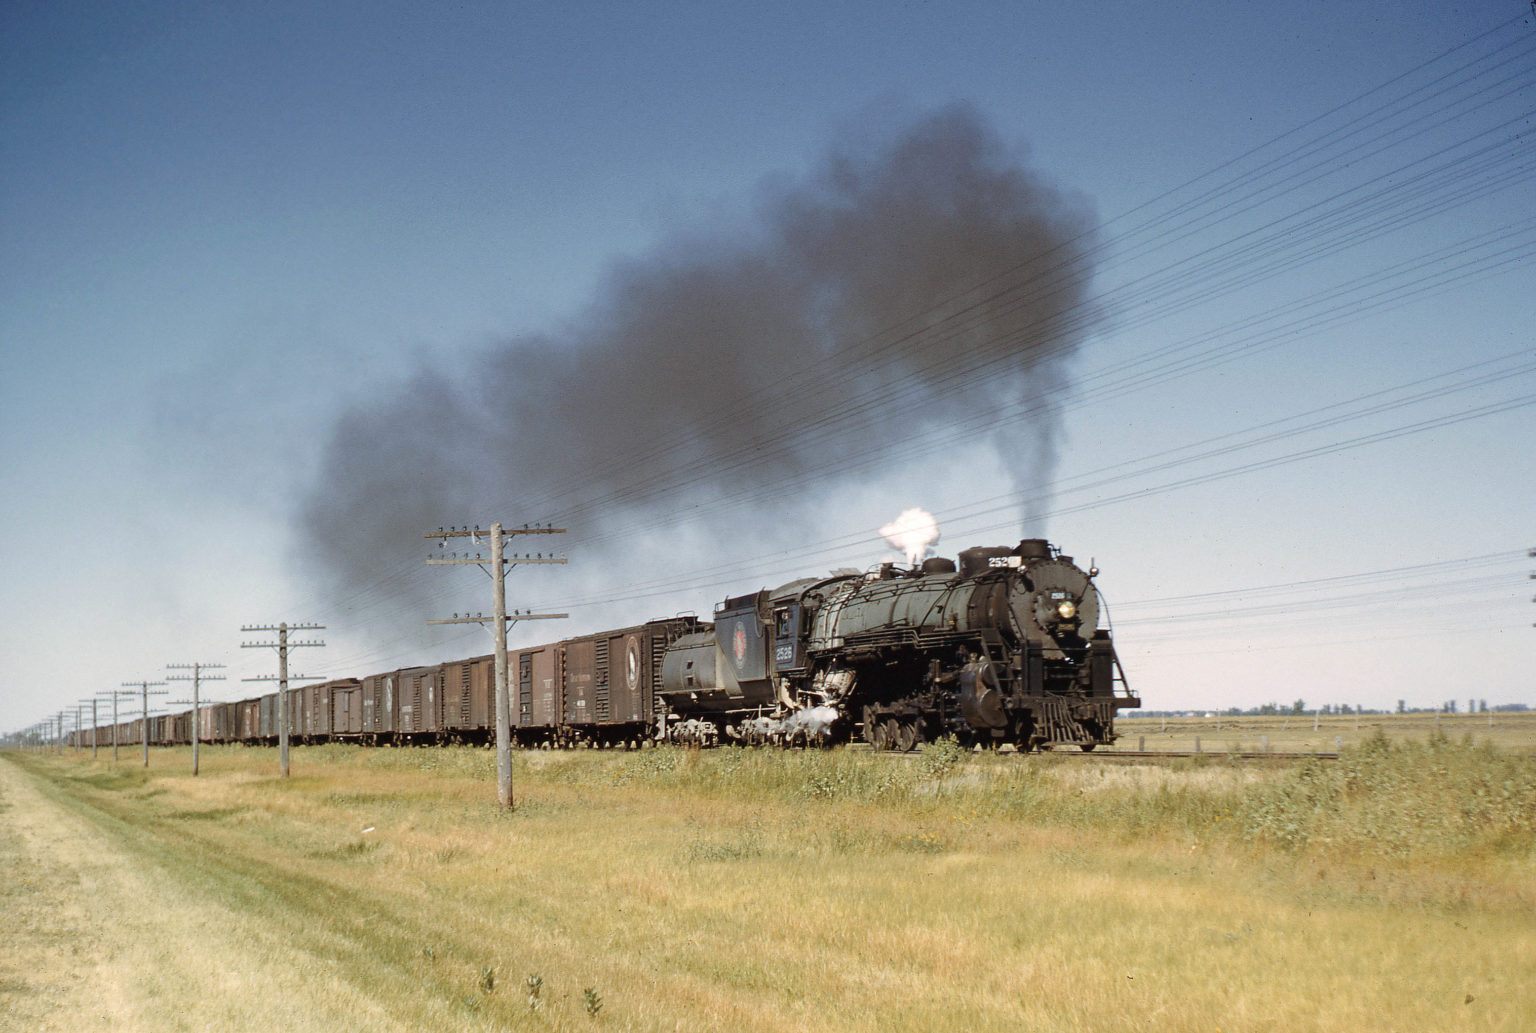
(760, 890)
(1304, 733)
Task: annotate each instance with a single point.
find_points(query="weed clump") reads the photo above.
(1434, 798)
(941, 757)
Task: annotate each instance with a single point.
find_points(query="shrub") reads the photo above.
(1432, 798)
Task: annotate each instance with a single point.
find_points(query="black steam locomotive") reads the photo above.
(1004, 647)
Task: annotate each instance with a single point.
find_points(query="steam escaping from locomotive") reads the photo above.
(918, 295)
(915, 533)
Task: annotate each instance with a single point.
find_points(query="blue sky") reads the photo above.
(225, 225)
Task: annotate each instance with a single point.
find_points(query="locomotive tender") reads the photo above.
(1003, 647)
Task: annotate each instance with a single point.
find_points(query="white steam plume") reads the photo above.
(915, 533)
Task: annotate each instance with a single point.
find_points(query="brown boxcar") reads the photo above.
(579, 678)
(634, 661)
(536, 687)
(381, 704)
(535, 691)
(248, 720)
(318, 709)
(268, 705)
(297, 729)
(314, 711)
(610, 679)
(420, 700)
(219, 722)
(270, 728)
(347, 710)
(469, 704)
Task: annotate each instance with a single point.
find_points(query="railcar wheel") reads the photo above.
(1087, 747)
(871, 727)
(906, 736)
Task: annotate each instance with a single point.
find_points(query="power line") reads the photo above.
(1345, 219)
(282, 645)
(500, 621)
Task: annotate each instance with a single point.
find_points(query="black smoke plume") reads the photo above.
(927, 290)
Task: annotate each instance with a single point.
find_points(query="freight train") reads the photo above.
(1002, 647)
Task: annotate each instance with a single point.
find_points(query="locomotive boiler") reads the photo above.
(1002, 647)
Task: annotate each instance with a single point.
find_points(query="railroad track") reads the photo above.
(1128, 756)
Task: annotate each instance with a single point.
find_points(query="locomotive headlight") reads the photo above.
(1066, 610)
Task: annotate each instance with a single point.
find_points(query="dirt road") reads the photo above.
(95, 938)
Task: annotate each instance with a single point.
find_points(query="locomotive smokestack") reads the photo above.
(890, 295)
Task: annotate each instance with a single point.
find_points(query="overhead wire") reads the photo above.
(844, 414)
(1446, 184)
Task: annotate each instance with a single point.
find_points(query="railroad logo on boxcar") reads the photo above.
(632, 664)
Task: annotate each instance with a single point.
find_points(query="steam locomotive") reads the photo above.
(1002, 647)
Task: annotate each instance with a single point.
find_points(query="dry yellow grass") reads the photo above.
(1305, 733)
(376, 890)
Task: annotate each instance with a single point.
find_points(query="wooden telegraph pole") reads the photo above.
(80, 725)
(197, 678)
(95, 727)
(282, 645)
(144, 711)
(500, 621)
(114, 693)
